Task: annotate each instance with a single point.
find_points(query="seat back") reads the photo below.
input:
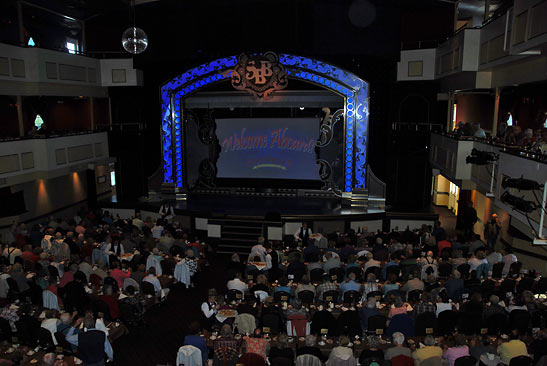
(376, 324)
(465, 361)
(447, 321)
(130, 282)
(280, 361)
(521, 361)
(497, 270)
(189, 356)
(519, 319)
(62, 342)
(337, 274)
(316, 275)
(147, 288)
(45, 340)
(234, 295)
(432, 361)
(464, 269)
(49, 300)
(496, 324)
(308, 360)
(426, 323)
(272, 321)
(281, 296)
(330, 296)
(351, 297)
(358, 273)
(514, 270)
(306, 296)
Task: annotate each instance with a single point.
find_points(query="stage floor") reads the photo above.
(251, 206)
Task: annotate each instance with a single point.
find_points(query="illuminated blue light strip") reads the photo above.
(354, 90)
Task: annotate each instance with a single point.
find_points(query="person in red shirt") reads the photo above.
(117, 274)
(27, 254)
(442, 244)
(69, 275)
(111, 301)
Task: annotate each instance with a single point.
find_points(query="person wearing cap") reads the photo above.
(492, 230)
(511, 348)
(209, 310)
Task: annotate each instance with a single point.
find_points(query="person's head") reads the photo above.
(371, 303)
(527, 296)
(261, 240)
(398, 338)
(212, 294)
(459, 340)
(261, 279)
(310, 340)
(426, 297)
(379, 241)
(193, 328)
(343, 341)
(284, 281)
(514, 334)
(481, 255)
(48, 359)
(373, 342)
(371, 277)
(494, 300)
(50, 314)
(89, 322)
(305, 280)
(152, 271)
(283, 341)
(397, 301)
(456, 274)
(352, 276)
(65, 318)
(108, 290)
(226, 331)
(429, 340)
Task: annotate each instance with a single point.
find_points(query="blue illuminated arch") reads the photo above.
(351, 87)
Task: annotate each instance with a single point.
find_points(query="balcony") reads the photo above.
(449, 153)
(37, 71)
(506, 50)
(24, 160)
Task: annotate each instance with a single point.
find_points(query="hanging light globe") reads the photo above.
(134, 40)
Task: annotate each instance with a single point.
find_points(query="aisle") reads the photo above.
(158, 343)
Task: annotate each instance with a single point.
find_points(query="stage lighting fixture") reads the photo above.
(479, 157)
(301, 108)
(518, 203)
(134, 40)
(520, 183)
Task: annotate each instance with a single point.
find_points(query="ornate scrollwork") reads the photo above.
(327, 126)
(207, 174)
(325, 172)
(206, 129)
(259, 74)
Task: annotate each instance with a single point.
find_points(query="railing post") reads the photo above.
(496, 113)
(19, 104)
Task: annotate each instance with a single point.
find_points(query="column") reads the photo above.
(496, 112)
(19, 104)
(450, 110)
(486, 10)
(91, 113)
(20, 24)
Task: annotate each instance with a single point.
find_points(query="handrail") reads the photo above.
(515, 150)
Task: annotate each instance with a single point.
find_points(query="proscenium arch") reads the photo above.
(353, 89)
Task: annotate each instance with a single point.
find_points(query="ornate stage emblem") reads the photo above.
(259, 75)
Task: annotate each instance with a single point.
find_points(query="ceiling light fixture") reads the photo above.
(134, 40)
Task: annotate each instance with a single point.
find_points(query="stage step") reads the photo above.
(239, 236)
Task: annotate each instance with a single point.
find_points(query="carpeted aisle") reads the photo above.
(158, 343)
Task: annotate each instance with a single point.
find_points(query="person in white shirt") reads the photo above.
(237, 284)
(477, 260)
(137, 221)
(508, 258)
(50, 323)
(157, 230)
(303, 234)
(209, 310)
(151, 278)
(258, 249)
(371, 262)
(11, 252)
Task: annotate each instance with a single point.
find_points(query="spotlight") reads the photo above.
(301, 108)
(479, 157)
(518, 203)
(520, 183)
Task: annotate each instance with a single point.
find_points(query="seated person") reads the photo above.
(283, 286)
(282, 348)
(193, 339)
(430, 350)
(398, 347)
(311, 348)
(512, 348)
